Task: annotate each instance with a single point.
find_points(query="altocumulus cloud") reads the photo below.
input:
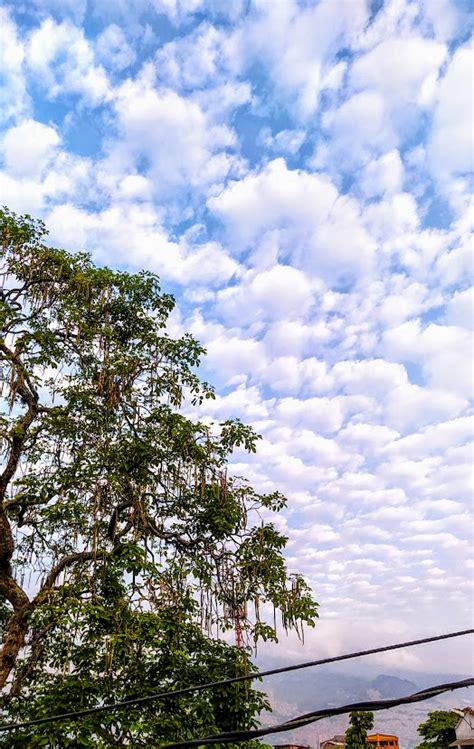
(299, 175)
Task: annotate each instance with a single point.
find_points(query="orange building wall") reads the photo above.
(383, 740)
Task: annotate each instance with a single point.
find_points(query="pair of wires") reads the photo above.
(308, 718)
(297, 722)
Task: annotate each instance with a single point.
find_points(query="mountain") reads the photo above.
(299, 692)
(391, 687)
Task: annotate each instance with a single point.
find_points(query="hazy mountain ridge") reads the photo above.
(299, 692)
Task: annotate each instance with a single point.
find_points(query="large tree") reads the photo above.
(126, 548)
(437, 730)
(360, 723)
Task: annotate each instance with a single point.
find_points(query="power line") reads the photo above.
(304, 720)
(233, 680)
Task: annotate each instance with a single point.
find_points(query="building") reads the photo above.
(337, 742)
(290, 746)
(464, 729)
(374, 741)
(382, 740)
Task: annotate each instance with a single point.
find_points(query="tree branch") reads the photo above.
(17, 626)
(66, 561)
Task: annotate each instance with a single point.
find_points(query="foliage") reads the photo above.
(126, 550)
(438, 730)
(356, 735)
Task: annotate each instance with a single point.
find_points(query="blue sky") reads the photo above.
(298, 174)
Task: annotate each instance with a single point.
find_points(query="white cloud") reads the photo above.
(460, 309)
(112, 48)
(21, 195)
(229, 355)
(74, 9)
(395, 216)
(177, 10)
(273, 197)
(319, 413)
(210, 53)
(375, 377)
(400, 69)
(280, 293)
(433, 439)
(414, 248)
(285, 141)
(62, 61)
(181, 145)
(444, 17)
(388, 85)
(135, 186)
(29, 147)
(322, 414)
(193, 61)
(242, 402)
(412, 406)
(444, 352)
(359, 129)
(455, 265)
(293, 337)
(312, 448)
(14, 100)
(221, 101)
(306, 210)
(394, 18)
(144, 244)
(450, 147)
(296, 45)
(287, 374)
(383, 175)
(37, 171)
(407, 301)
(373, 437)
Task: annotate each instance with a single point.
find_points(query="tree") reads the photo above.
(356, 734)
(126, 550)
(438, 730)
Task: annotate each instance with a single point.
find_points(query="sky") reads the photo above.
(298, 174)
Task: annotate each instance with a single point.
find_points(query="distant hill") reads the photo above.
(326, 688)
(302, 691)
(390, 687)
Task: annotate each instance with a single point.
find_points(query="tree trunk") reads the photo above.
(6, 544)
(16, 628)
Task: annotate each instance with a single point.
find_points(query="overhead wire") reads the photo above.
(132, 701)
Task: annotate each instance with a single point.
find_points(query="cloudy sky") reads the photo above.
(297, 172)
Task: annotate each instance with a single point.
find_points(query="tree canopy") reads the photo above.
(127, 550)
(360, 723)
(438, 730)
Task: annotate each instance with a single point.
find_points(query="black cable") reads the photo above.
(210, 685)
(304, 720)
